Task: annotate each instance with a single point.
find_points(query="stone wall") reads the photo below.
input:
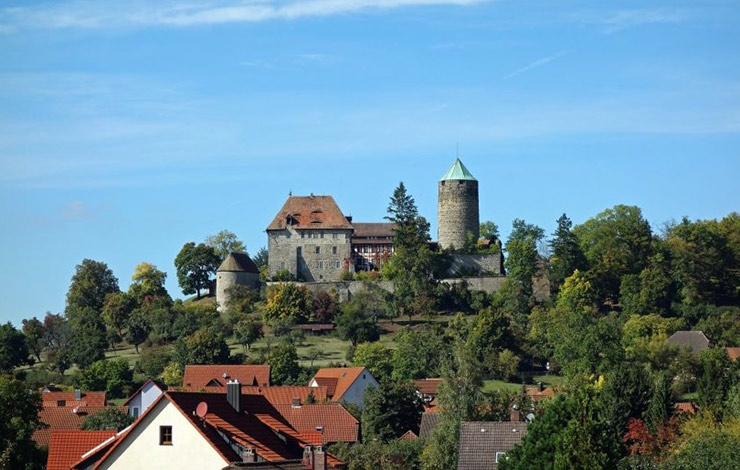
(489, 264)
(310, 255)
(226, 279)
(344, 289)
(457, 212)
(488, 284)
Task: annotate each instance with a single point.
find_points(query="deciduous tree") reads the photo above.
(195, 265)
(13, 348)
(225, 242)
(109, 418)
(19, 418)
(390, 410)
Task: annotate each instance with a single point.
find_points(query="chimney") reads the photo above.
(307, 459)
(234, 394)
(515, 415)
(78, 394)
(249, 456)
(540, 386)
(319, 458)
(296, 402)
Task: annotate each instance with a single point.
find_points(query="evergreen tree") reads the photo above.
(390, 410)
(565, 253)
(661, 402)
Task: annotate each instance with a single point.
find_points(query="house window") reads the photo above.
(334, 250)
(500, 456)
(165, 435)
(61, 402)
(318, 250)
(135, 412)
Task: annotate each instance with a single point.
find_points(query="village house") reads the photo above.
(200, 377)
(143, 398)
(344, 384)
(483, 444)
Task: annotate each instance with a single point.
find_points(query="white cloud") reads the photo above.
(109, 14)
(617, 20)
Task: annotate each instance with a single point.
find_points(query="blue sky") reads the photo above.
(129, 128)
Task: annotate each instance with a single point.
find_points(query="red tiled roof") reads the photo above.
(67, 447)
(535, 394)
(276, 395)
(51, 399)
(374, 229)
(332, 419)
(409, 436)
(342, 379)
(734, 353)
(307, 212)
(62, 419)
(428, 386)
(199, 376)
(686, 407)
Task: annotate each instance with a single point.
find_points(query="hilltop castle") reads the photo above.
(312, 239)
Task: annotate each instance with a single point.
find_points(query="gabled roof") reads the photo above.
(696, 340)
(157, 383)
(240, 263)
(458, 172)
(409, 436)
(480, 440)
(340, 378)
(429, 421)
(67, 447)
(686, 407)
(536, 395)
(428, 386)
(310, 212)
(331, 420)
(86, 399)
(200, 376)
(62, 419)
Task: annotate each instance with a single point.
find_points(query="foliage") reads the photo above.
(399, 454)
(35, 334)
(91, 284)
(113, 375)
(283, 276)
(616, 242)
(645, 339)
(13, 348)
(325, 307)
(153, 361)
(195, 264)
(418, 355)
(172, 374)
(565, 253)
(19, 417)
(357, 320)
(375, 357)
(713, 380)
(224, 243)
(116, 311)
(109, 418)
(247, 331)
(390, 410)
(207, 346)
(241, 299)
(148, 281)
(490, 334)
(137, 328)
(260, 259)
(488, 230)
(521, 267)
(720, 324)
(89, 341)
(287, 300)
(283, 360)
(712, 450)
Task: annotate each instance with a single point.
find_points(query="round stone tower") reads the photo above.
(236, 269)
(457, 214)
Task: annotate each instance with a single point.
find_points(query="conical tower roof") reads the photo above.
(238, 262)
(458, 172)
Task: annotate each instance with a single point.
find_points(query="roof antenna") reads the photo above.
(290, 193)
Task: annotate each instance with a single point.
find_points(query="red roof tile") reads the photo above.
(67, 447)
(52, 399)
(308, 212)
(62, 419)
(428, 386)
(200, 376)
(686, 407)
(339, 377)
(734, 353)
(277, 395)
(409, 436)
(332, 419)
(535, 394)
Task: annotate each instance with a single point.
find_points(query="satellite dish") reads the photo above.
(202, 409)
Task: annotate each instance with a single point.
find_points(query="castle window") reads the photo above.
(282, 265)
(302, 234)
(321, 265)
(334, 236)
(334, 250)
(299, 251)
(337, 264)
(318, 250)
(321, 234)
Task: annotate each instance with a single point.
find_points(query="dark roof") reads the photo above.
(239, 262)
(691, 339)
(428, 423)
(310, 212)
(373, 229)
(480, 440)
